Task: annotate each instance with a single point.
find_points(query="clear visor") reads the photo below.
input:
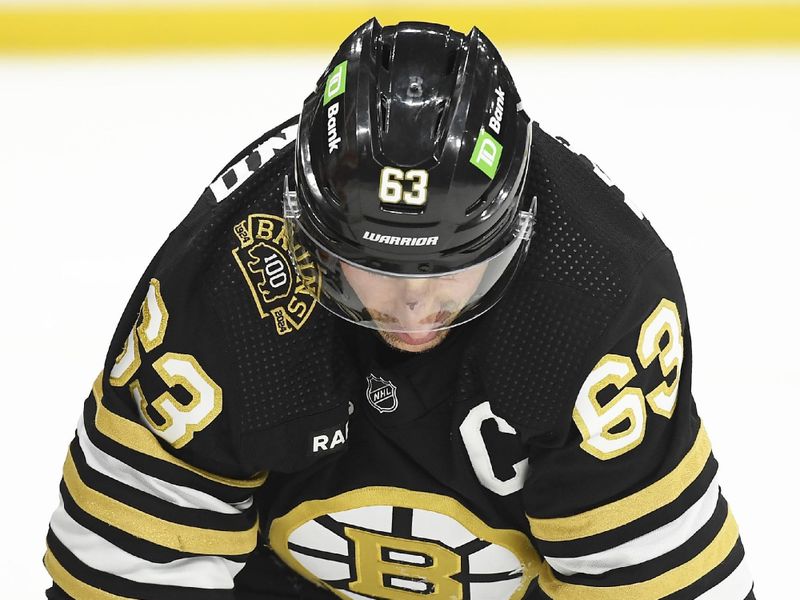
(411, 308)
(419, 305)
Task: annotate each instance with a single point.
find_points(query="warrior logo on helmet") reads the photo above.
(280, 291)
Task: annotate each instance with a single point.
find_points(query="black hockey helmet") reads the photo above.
(410, 163)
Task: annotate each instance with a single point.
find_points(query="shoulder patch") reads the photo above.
(280, 290)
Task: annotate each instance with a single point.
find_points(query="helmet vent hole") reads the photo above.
(415, 89)
(451, 62)
(439, 122)
(386, 56)
(329, 193)
(383, 113)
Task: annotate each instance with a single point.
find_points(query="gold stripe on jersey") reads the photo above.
(658, 587)
(139, 438)
(625, 510)
(185, 538)
(73, 586)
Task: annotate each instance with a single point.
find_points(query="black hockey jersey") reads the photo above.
(241, 442)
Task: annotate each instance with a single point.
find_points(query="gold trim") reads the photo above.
(658, 587)
(72, 585)
(258, 222)
(247, 275)
(319, 26)
(512, 540)
(151, 301)
(259, 229)
(185, 538)
(139, 438)
(130, 347)
(625, 395)
(97, 387)
(186, 425)
(610, 516)
(373, 569)
(646, 356)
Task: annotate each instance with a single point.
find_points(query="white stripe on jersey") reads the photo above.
(206, 572)
(644, 548)
(175, 494)
(735, 586)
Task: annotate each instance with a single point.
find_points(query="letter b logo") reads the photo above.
(422, 567)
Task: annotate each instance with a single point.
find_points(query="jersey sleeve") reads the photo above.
(154, 501)
(157, 494)
(627, 503)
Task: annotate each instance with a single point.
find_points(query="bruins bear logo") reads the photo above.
(286, 292)
(392, 543)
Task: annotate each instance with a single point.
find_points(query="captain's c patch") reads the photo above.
(280, 290)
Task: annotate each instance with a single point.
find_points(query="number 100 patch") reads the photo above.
(264, 259)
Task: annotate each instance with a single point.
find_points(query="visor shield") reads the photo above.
(415, 306)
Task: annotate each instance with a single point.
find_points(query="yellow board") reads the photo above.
(231, 28)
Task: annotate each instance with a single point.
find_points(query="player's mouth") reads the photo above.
(417, 339)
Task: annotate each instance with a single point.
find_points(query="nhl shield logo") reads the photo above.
(381, 394)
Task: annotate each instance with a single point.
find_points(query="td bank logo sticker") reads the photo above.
(486, 155)
(387, 542)
(334, 87)
(336, 82)
(279, 291)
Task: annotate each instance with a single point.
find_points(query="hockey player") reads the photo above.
(420, 350)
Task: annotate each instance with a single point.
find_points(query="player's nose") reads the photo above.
(414, 293)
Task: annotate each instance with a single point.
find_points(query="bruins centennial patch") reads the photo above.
(287, 294)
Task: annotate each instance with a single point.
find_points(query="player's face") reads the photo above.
(413, 310)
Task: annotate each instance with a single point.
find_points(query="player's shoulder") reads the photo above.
(249, 184)
(585, 225)
(590, 259)
(232, 252)
(224, 294)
